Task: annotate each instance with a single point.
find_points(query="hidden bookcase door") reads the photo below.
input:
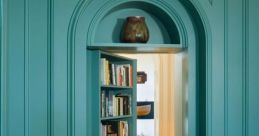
(113, 94)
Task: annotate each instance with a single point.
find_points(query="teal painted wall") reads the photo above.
(24, 68)
(232, 109)
(37, 89)
(34, 90)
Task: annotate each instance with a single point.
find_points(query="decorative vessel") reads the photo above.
(135, 30)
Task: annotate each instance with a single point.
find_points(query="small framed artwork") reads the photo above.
(141, 77)
(145, 110)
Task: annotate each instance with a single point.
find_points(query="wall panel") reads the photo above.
(36, 68)
(62, 100)
(252, 68)
(233, 108)
(26, 68)
(234, 67)
(15, 86)
(216, 59)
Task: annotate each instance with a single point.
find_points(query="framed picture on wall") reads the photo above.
(145, 110)
(141, 77)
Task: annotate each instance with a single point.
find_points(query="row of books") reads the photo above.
(115, 128)
(116, 74)
(115, 104)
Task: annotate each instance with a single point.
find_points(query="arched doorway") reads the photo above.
(184, 24)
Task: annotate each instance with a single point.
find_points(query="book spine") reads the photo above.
(107, 79)
(121, 106)
(117, 75)
(120, 128)
(125, 107)
(130, 76)
(123, 76)
(126, 129)
(110, 104)
(106, 106)
(114, 105)
(127, 75)
(130, 110)
(117, 107)
(103, 103)
(103, 60)
(113, 75)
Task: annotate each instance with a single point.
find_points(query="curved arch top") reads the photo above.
(106, 26)
(166, 23)
(170, 17)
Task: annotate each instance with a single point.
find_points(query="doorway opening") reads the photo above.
(165, 88)
(175, 25)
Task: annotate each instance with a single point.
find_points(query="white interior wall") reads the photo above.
(146, 92)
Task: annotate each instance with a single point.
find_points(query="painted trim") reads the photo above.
(3, 59)
(80, 7)
(245, 73)
(172, 13)
(1, 66)
(26, 69)
(209, 80)
(50, 68)
(208, 34)
(226, 67)
(179, 24)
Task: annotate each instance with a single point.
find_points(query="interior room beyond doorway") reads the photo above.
(166, 87)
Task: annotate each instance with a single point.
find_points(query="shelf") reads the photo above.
(111, 56)
(137, 47)
(116, 87)
(117, 117)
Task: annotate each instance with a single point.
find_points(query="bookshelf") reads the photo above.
(114, 94)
